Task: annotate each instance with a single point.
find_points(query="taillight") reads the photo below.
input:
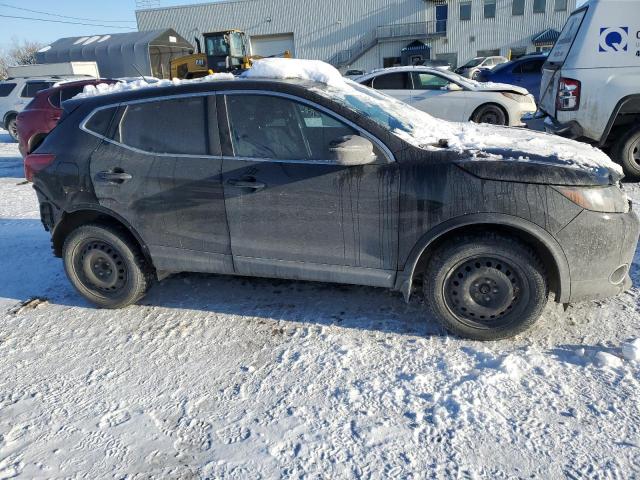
(35, 162)
(568, 94)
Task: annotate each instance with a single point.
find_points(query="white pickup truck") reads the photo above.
(590, 86)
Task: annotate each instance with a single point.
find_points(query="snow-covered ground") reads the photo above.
(220, 377)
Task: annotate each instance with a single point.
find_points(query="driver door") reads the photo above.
(294, 212)
(431, 95)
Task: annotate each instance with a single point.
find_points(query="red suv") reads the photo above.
(41, 115)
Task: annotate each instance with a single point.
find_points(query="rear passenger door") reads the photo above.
(295, 213)
(396, 84)
(159, 167)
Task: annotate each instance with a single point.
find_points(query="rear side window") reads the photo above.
(31, 88)
(393, 81)
(532, 67)
(174, 126)
(6, 89)
(65, 94)
(100, 122)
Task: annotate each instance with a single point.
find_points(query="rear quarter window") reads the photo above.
(101, 121)
(6, 89)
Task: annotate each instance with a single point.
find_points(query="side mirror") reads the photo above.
(352, 150)
(453, 87)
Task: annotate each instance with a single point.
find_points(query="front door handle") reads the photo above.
(252, 184)
(114, 176)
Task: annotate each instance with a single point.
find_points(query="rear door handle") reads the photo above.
(252, 184)
(113, 177)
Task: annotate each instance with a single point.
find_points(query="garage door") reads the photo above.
(267, 45)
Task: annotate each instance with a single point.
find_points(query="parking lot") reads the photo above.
(215, 376)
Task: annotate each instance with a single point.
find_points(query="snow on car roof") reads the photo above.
(414, 126)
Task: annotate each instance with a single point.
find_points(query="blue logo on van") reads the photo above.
(614, 39)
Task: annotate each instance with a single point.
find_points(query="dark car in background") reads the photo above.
(524, 72)
(300, 180)
(42, 113)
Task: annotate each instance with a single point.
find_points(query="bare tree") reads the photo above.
(18, 54)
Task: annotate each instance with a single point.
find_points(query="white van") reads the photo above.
(590, 86)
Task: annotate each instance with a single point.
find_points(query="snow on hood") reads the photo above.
(147, 82)
(287, 68)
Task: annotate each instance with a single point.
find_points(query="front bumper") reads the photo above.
(600, 248)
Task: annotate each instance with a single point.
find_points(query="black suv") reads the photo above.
(295, 179)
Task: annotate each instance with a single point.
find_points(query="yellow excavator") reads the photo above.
(225, 51)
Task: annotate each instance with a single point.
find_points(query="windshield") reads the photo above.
(407, 122)
(473, 63)
(562, 47)
(217, 46)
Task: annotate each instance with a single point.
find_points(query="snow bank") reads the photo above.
(148, 82)
(286, 68)
(631, 350)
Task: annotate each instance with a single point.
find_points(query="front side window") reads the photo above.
(32, 88)
(465, 10)
(518, 7)
(6, 89)
(489, 8)
(392, 81)
(539, 6)
(175, 126)
(428, 81)
(271, 127)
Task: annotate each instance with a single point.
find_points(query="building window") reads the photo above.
(465, 10)
(388, 62)
(489, 53)
(561, 6)
(518, 7)
(489, 8)
(539, 6)
(517, 52)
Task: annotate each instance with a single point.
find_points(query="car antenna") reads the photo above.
(140, 72)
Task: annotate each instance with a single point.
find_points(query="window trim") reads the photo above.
(487, 3)
(83, 126)
(466, 3)
(383, 148)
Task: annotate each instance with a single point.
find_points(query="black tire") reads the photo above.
(485, 287)
(12, 128)
(626, 151)
(491, 114)
(105, 266)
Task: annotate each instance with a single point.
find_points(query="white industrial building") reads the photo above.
(368, 34)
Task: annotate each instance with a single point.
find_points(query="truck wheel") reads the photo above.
(626, 151)
(485, 287)
(12, 128)
(105, 266)
(491, 114)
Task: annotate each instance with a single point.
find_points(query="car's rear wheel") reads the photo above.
(626, 152)
(491, 114)
(485, 287)
(106, 266)
(12, 128)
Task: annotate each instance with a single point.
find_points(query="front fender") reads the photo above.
(404, 280)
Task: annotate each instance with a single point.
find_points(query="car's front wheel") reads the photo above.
(485, 287)
(491, 114)
(106, 266)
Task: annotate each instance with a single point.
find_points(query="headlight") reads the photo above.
(609, 199)
(517, 97)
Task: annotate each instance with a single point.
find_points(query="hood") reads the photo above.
(535, 157)
(498, 87)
